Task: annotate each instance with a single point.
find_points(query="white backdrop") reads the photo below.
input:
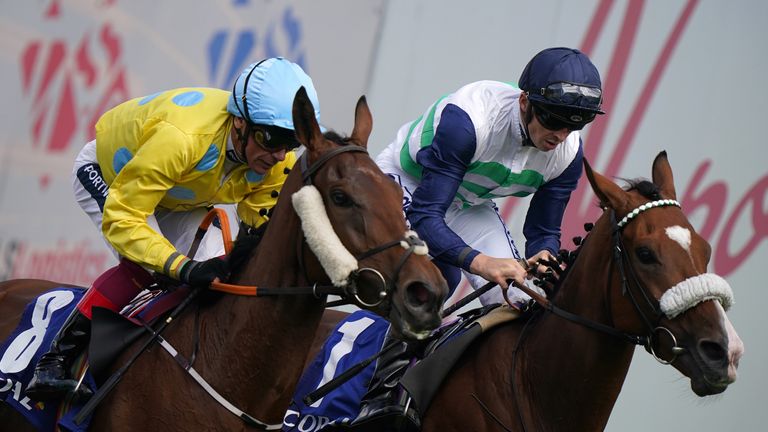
(680, 75)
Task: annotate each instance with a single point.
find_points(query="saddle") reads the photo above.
(423, 379)
(440, 353)
(112, 333)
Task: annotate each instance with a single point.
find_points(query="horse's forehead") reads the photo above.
(672, 230)
(667, 224)
(361, 175)
(360, 169)
(679, 235)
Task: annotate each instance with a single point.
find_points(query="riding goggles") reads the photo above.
(565, 93)
(275, 139)
(571, 120)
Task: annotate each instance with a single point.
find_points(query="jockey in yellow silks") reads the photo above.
(136, 136)
(156, 167)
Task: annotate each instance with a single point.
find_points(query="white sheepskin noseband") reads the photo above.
(336, 260)
(693, 291)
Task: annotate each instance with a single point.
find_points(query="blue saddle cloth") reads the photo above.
(19, 354)
(40, 322)
(357, 337)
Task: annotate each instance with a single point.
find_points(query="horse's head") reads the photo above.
(353, 221)
(662, 288)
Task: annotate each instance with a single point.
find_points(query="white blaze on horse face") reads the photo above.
(735, 345)
(681, 235)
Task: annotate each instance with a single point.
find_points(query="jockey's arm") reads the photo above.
(545, 212)
(444, 164)
(136, 192)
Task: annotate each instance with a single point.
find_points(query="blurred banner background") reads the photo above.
(679, 75)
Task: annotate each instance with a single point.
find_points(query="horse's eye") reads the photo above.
(341, 199)
(645, 255)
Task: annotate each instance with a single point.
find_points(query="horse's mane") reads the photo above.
(644, 187)
(332, 135)
(244, 247)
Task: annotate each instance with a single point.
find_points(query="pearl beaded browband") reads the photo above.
(644, 207)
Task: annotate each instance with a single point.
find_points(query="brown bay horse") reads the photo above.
(642, 274)
(252, 349)
(552, 374)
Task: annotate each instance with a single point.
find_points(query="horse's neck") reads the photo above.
(254, 335)
(569, 365)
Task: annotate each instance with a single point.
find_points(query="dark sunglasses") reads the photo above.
(556, 122)
(564, 93)
(275, 139)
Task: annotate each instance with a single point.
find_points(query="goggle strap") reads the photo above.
(245, 115)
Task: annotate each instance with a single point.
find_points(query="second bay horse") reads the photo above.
(642, 272)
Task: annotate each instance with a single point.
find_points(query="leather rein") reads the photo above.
(633, 288)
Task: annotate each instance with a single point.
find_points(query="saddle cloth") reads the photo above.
(361, 335)
(40, 322)
(19, 354)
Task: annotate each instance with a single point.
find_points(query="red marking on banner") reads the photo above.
(712, 199)
(60, 77)
(725, 262)
(641, 107)
(53, 10)
(612, 84)
(45, 180)
(55, 58)
(111, 42)
(74, 262)
(37, 127)
(28, 60)
(84, 62)
(598, 24)
(65, 123)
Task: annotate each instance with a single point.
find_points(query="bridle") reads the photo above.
(622, 261)
(410, 242)
(346, 285)
(637, 288)
(633, 289)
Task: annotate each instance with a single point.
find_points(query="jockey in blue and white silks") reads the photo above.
(467, 149)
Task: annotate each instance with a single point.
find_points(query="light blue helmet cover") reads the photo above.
(272, 85)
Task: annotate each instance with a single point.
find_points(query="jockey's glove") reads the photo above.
(197, 273)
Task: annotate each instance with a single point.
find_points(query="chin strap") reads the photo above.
(526, 136)
(243, 138)
(525, 120)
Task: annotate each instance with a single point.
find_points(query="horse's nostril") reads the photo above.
(713, 352)
(418, 294)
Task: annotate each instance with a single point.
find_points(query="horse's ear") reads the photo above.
(363, 123)
(305, 124)
(608, 192)
(662, 176)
